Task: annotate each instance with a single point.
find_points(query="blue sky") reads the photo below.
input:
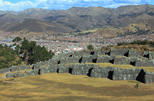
(19, 5)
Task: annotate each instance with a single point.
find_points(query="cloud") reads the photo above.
(66, 4)
(115, 5)
(5, 5)
(132, 1)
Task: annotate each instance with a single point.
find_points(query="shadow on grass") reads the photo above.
(75, 98)
(135, 82)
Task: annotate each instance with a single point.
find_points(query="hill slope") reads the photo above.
(34, 25)
(80, 18)
(8, 58)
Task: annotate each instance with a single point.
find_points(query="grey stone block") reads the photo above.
(41, 71)
(25, 75)
(99, 75)
(125, 77)
(29, 72)
(8, 75)
(120, 76)
(21, 75)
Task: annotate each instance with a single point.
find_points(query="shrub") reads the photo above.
(90, 47)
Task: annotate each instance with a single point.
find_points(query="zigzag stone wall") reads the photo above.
(91, 70)
(114, 56)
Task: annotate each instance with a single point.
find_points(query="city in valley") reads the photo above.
(64, 44)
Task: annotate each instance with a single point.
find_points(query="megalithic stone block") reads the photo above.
(15, 75)
(148, 79)
(18, 75)
(99, 75)
(125, 77)
(41, 71)
(135, 76)
(120, 77)
(29, 72)
(8, 75)
(25, 74)
(92, 73)
(114, 77)
(130, 77)
(74, 72)
(151, 55)
(21, 75)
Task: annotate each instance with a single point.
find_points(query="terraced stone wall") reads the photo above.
(80, 66)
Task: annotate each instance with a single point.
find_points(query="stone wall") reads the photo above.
(80, 66)
(133, 53)
(91, 70)
(151, 55)
(119, 52)
(135, 61)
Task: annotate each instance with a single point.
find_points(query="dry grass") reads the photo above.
(139, 48)
(64, 87)
(93, 30)
(46, 66)
(86, 31)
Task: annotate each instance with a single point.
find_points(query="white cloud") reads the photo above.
(5, 5)
(115, 5)
(65, 4)
(132, 1)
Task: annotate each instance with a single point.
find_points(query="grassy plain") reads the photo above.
(91, 30)
(66, 87)
(86, 31)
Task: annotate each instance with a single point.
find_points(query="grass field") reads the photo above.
(86, 31)
(66, 87)
(92, 30)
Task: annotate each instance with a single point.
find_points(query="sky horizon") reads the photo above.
(18, 5)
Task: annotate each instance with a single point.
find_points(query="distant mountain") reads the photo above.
(80, 18)
(13, 18)
(34, 25)
(130, 29)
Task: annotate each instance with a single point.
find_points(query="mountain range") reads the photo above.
(130, 19)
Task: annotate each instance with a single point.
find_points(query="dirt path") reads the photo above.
(138, 48)
(4, 76)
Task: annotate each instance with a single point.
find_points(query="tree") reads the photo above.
(90, 47)
(32, 53)
(17, 39)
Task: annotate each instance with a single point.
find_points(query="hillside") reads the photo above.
(9, 57)
(82, 18)
(130, 29)
(34, 25)
(138, 45)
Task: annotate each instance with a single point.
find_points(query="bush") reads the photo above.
(19, 61)
(5, 65)
(90, 47)
(2, 61)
